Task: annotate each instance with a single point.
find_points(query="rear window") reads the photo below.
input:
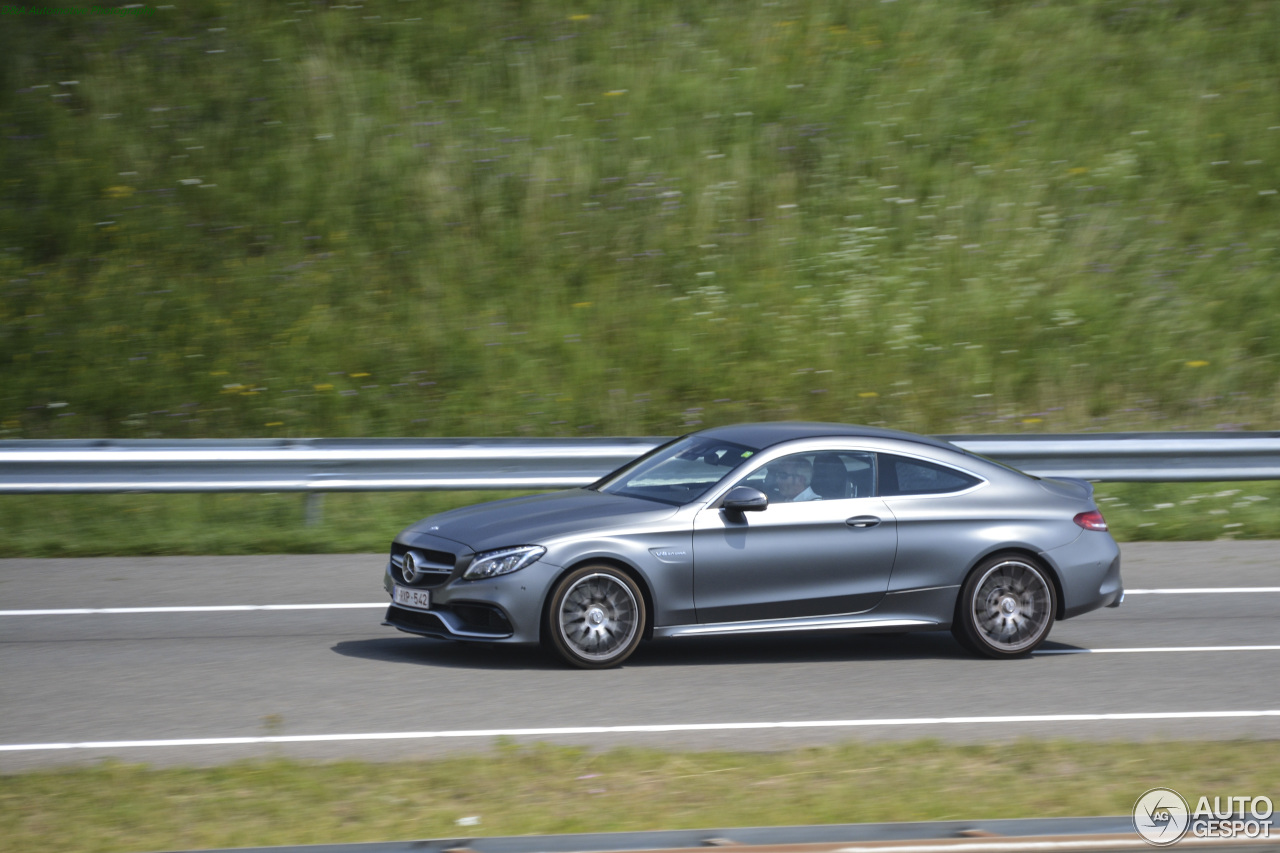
(902, 476)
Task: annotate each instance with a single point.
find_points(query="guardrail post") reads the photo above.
(314, 510)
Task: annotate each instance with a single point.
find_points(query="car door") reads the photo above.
(816, 557)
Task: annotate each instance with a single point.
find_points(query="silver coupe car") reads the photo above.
(764, 528)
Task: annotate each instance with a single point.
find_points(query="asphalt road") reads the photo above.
(128, 680)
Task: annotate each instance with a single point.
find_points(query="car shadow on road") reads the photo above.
(701, 651)
(424, 651)
(808, 648)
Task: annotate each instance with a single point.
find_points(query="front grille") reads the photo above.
(435, 567)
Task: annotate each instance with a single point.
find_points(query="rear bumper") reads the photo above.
(1089, 572)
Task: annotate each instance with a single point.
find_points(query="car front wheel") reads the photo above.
(596, 617)
(1006, 607)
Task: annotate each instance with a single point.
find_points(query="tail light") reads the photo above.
(1091, 520)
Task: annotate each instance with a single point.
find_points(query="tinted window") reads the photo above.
(902, 476)
(823, 475)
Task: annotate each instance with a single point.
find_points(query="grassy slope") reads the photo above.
(547, 789)
(498, 218)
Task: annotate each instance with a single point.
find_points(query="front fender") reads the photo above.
(661, 562)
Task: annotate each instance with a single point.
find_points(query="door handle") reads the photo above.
(862, 521)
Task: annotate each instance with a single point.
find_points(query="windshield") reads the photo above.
(679, 472)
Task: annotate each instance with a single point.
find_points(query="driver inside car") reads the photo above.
(791, 479)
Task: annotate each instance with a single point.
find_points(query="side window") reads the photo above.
(816, 476)
(902, 476)
(786, 480)
(861, 471)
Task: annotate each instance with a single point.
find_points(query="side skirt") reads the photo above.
(910, 610)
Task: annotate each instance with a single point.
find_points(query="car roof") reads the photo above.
(764, 435)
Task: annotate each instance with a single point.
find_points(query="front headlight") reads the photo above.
(504, 561)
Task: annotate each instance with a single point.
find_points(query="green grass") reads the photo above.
(141, 525)
(636, 217)
(545, 789)
(209, 524)
(1190, 511)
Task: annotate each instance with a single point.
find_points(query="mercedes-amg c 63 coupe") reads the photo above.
(764, 528)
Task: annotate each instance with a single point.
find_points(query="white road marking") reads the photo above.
(217, 608)
(1155, 649)
(1203, 590)
(238, 608)
(232, 608)
(644, 729)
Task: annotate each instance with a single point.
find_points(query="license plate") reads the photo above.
(417, 599)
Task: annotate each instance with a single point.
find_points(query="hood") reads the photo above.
(537, 519)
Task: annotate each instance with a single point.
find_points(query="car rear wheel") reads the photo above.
(596, 617)
(1006, 607)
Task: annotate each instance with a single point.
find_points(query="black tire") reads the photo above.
(1006, 607)
(595, 617)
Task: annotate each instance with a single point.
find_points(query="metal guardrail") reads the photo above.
(336, 465)
(1060, 835)
(310, 465)
(1159, 457)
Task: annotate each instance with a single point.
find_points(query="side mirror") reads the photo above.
(744, 499)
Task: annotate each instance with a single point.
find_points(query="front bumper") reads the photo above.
(506, 609)
(445, 624)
